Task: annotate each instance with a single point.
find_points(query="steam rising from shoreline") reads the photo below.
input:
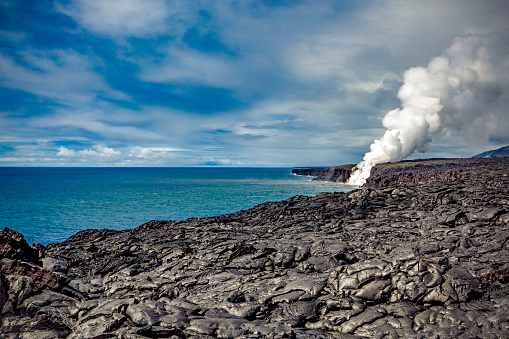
(464, 89)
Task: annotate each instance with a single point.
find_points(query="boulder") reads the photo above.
(42, 278)
(14, 246)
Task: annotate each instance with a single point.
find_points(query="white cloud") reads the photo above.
(97, 152)
(106, 121)
(12, 36)
(65, 152)
(17, 159)
(382, 39)
(120, 17)
(151, 153)
(188, 66)
(132, 155)
(62, 75)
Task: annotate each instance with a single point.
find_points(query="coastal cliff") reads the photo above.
(421, 251)
(331, 174)
(397, 174)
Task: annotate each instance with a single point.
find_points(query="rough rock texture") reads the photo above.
(309, 171)
(402, 173)
(424, 260)
(332, 173)
(432, 170)
(14, 246)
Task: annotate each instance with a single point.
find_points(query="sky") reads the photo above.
(224, 83)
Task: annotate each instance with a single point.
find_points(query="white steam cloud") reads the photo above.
(464, 89)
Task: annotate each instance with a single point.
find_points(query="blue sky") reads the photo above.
(228, 83)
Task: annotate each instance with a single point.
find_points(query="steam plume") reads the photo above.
(464, 89)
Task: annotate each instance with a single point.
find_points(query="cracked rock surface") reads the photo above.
(427, 257)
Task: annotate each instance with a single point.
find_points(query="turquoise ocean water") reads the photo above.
(50, 204)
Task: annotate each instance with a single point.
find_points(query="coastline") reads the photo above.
(423, 253)
(399, 173)
(49, 205)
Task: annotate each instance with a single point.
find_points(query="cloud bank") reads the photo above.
(233, 83)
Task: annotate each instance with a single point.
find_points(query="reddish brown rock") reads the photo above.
(14, 246)
(42, 278)
(40, 248)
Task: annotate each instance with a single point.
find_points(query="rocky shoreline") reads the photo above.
(395, 174)
(421, 252)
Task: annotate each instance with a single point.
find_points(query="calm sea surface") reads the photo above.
(50, 204)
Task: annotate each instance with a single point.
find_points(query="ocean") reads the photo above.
(50, 204)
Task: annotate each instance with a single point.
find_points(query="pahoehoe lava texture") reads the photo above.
(416, 255)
